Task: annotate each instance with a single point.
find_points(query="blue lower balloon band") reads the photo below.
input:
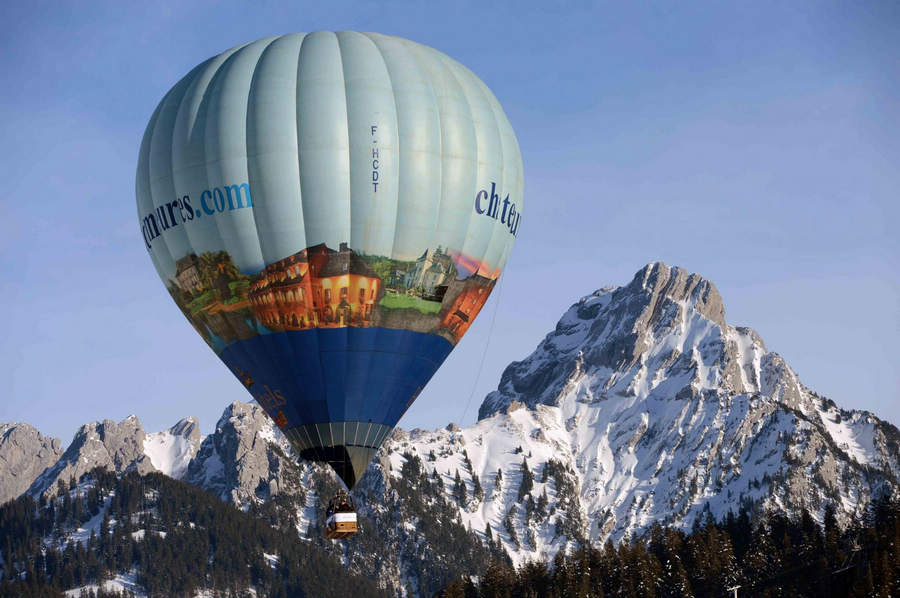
(349, 374)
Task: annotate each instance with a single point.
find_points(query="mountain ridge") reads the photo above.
(24, 454)
(643, 405)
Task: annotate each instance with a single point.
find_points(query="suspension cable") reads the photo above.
(486, 347)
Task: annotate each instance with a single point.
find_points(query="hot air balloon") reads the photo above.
(330, 212)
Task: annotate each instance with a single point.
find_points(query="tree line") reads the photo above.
(778, 556)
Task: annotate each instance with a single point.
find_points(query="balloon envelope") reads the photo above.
(330, 211)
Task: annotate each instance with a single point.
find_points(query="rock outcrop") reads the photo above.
(24, 455)
(245, 459)
(115, 446)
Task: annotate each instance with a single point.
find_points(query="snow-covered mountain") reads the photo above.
(643, 405)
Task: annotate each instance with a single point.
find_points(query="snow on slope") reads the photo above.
(168, 454)
(123, 582)
(492, 446)
(856, 436)
(171, 451)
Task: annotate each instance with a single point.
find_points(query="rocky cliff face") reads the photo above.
(246, 459)
(24, 454)
(121, 447)
(114, 446)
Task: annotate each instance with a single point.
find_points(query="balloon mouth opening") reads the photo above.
(347, 447)
(338, 457)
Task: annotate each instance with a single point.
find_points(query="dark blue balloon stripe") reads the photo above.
(338, 374)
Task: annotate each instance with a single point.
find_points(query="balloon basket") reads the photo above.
(340, 517)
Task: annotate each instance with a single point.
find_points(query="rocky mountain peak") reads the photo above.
(666, 324)
(246, 459)
(656, 284)
(664, 409)
(115, 446)
(123, 441)
(24, 454)
(188, 428)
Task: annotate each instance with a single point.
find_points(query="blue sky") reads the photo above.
(755, 144)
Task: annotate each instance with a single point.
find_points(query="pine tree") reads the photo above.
(527, 480)
(541, 507)
(459, 490)
(530, 508)
(531, 538)
(477, 491)
(467, 461)
(510, 527)
(438, 481)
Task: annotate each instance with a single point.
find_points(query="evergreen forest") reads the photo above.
(175, 538)
(775, 557)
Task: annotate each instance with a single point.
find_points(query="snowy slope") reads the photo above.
(168, 453)
(123, 582)
(171, 451)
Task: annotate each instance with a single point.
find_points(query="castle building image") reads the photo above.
(316, 287)
(433, 269)
(187, 273)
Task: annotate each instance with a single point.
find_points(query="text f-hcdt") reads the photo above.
(375, 163)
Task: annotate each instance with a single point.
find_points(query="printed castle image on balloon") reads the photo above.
(439, 293)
